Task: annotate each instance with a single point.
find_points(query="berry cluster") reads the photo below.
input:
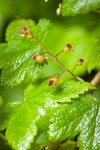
(41, 59)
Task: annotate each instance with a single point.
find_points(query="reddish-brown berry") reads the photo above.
(54, 80)
(39, 58)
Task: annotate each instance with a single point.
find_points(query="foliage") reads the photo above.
(22, 50)
(75, 7)
(37, 110)
(95, 55)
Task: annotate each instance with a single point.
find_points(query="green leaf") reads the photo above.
(63, 92)
(21, 130)
(40, 103)
(14, 94)
(96, 93)
(17, 53)
(75, 7)
(3, 47)
(68, 145)
(18, 119)
(6, 112)
(79, 117)
(94, 54)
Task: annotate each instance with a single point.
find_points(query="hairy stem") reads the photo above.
(56, 59)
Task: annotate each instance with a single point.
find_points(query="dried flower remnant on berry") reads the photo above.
(80, 62)
(68, 47)
(25, 32)
(39, 58)
(54, 80)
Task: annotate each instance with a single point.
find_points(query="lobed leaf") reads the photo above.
(6, 112)
(40, 103)
(80, 117)
(21, 129)
(75, 7)
(20, 51)
(63, 92)
(94, 55)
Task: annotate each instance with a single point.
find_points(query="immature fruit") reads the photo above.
(54, 80)
(68, 47)
(80, 61)
(40, 59)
